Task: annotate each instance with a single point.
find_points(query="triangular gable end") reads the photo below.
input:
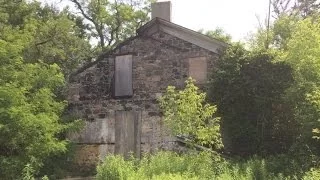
(158, 24)
(183, 33)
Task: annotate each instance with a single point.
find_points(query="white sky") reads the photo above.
(236, 17)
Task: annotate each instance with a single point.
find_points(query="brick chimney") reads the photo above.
(161, 10)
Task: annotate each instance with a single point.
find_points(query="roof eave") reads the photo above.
(185, 34)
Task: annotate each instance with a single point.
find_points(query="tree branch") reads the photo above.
(97, 27)
(43, 42)
(115, 31)
(82, 11)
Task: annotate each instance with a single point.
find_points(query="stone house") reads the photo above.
(117, 94)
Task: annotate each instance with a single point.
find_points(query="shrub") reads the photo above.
(115, 168)
(186, 112)
(313, 174)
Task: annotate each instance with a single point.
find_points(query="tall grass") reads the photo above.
(159, 165)
(172, 166)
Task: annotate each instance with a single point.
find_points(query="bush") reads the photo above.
(313, 174)
(187, 112)
(115, 168)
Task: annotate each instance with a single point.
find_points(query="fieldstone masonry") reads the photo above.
(158, 61)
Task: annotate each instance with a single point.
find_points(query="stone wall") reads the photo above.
(158, 61)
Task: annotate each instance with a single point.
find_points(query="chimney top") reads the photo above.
(161, 10)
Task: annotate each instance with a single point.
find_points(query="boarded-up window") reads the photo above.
(127, 133)
(123, 76)
(198, 69)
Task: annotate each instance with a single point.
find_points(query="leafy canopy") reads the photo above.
(54, 37)
(111, 22)
(30, 110)
(248, 89)
(303, 54)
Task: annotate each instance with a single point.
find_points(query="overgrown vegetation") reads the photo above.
(40, 46)
(249, 90)
(160, 165)
(169, 165)
(186, 113)
(260, 119)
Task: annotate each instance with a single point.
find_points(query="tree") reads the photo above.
(218, 34)
(306, 8)
(29, 118)
(249, 90)
(301, 8)
(286, 13)
(281, 7)
(303, 56)
(113, 21)
(30, 110)
(57, 40)
(187, 113)
(55, 37)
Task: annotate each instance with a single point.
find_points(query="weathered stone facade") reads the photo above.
(158, 61)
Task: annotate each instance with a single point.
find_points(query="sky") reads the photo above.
(238, 18)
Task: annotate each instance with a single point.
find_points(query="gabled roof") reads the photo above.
(203, 41)
(158, 24)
